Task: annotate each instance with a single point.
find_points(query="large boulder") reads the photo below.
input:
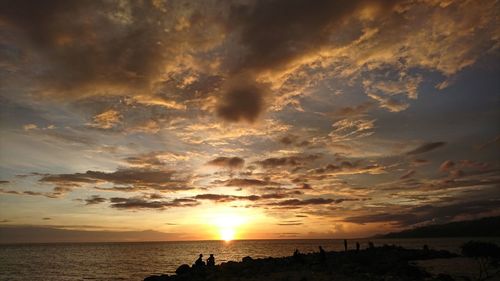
(183, 269)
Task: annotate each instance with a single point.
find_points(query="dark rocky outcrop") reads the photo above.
(377, 263)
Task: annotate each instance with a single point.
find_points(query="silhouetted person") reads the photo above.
(357, 246)
(322, 254)
(345, 245)
(297, 256)
(199, 262)
(211, 260)
(370, 245)
(296, 253)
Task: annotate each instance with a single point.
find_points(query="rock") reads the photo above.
(183, 269)
(163, 277)
(444, 277)
(247, 259)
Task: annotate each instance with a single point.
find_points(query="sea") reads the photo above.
(137, 260)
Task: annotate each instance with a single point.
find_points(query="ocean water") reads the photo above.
(135, 261)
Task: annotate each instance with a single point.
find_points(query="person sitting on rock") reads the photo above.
(199, 262)
(211, 260)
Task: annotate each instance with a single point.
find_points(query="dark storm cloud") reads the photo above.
(426, 147)
(90, 44)
(272, 35)
(243, 100)
(275, 33)
(429, 213)
(142, 203)
(227, 162)
(133, 179)
(94, 199)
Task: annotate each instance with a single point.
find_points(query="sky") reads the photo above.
(200, 120)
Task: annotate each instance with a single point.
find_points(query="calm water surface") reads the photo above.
(134, 261)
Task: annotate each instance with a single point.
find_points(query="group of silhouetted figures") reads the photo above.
(322, 254)
(199, 263)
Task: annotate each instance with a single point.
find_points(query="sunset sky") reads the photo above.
(179, 120)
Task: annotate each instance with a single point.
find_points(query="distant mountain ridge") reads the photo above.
(485, 227)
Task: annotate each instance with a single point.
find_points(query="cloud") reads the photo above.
(286, 161)
(29, 127)
(309, 28)
(354, 110)
(242, 182)
(225, 198)
(347, 168)
(142, 203)
(106, 120)
(134, 179)
(292, 222)
(56, 193)
(408, 174)
(312, 201)
(390, 103)
(145, 160)
(235, 59)
(348, 129)
(88, 52)
(227, 162)
(429, 213)
(446, 165)
(426, 147)
(94, 199)
(243, 100)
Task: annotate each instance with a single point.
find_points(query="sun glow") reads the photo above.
(227, 234)
(227, 225)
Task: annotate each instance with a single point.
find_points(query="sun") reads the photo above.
(227, 234)
(227, 225)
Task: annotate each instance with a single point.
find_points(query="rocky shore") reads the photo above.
(375, 263)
